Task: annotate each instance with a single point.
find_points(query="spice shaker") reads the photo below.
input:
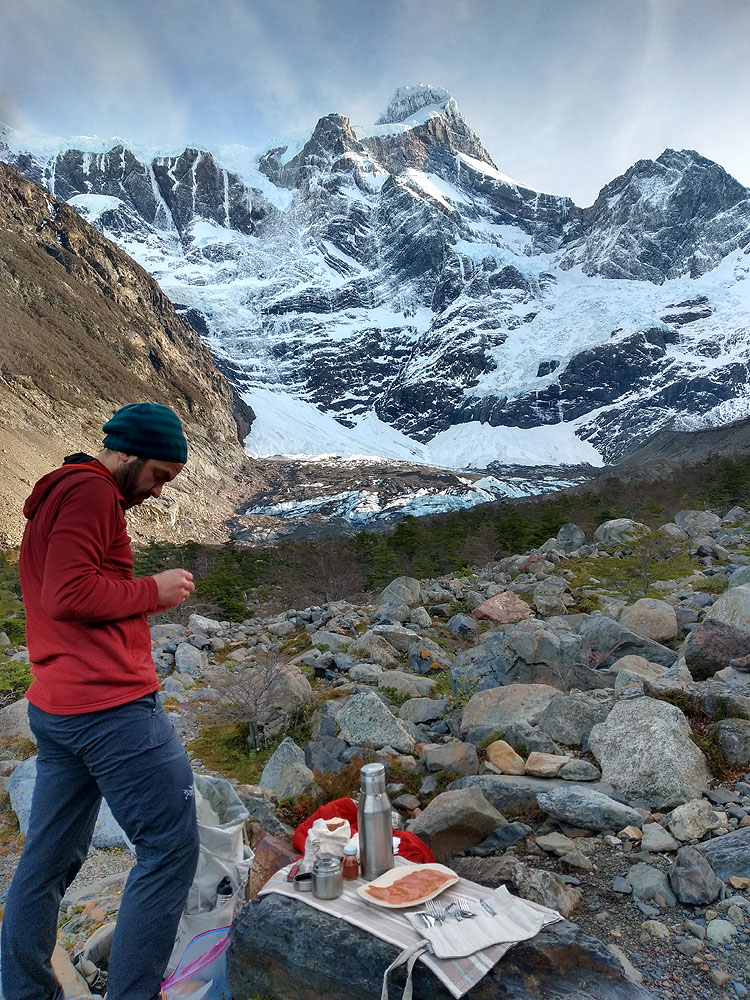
(375, 825)
(327, 879)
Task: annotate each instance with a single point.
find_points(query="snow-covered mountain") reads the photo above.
(392, 279)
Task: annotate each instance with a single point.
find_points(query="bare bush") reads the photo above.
(266, 693)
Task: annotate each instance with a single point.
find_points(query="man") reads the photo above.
(95, 712)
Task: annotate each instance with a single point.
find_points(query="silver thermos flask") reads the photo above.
(375, 826)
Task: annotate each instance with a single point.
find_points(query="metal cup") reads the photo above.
(327, 878)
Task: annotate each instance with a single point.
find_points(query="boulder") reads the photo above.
(733, 736)
(587, 808)
(296, 781)
(375, 648)
(271, 854)
(453, 756)
(285, 949)
(523, 735)
(514, 793)
(545, 765)
(657, 840)
(503, 609)
(692, 820)
(638, 666)
(14, 720)
(739, 578)
(197, 623)
(693, 879)
(504, 759)
(462, 625)
(281, 690)
(618, 533)
(286, 753)
(536, 885)
(568, 719)
(455, 821)
(712, 645)
(190, 660)
(733, 607)
(728, 855)
(697, 523)
(421, 710)
(365, 673)
(365, 721)
(20, 788)
(397, 636)
(402, 590)
(406, 683)
(646, 753)
(529, 653)
(648, 882)
(609, 642)
(425, 656)
(490, 710)
(580, 770)
(651, 618)
(569, 538)
(323, 639)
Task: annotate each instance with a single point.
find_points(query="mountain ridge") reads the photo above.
(395, 271)
(87, 330)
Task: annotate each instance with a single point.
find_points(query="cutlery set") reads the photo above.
(436, 913)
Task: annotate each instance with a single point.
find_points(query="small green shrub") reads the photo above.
(15, 678)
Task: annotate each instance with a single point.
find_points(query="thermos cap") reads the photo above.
(373, 778)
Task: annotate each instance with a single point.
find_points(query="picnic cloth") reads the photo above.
(458, 974)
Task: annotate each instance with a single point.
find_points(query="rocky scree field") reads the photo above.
(572, 722)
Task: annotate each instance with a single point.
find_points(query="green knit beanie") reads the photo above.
(147, 430)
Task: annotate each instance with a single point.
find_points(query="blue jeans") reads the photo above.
(132, 756)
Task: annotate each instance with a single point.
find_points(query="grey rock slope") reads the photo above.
(395, 269)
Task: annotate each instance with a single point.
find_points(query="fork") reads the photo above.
(435, 910)
(464, 908)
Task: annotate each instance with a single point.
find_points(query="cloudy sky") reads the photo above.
(565, 94)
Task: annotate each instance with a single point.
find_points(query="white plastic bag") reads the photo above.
(326, 836)
(223, 853)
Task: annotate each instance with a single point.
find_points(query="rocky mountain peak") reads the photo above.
(408, 101)
(677, 215)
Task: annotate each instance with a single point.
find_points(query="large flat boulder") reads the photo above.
(282, 949)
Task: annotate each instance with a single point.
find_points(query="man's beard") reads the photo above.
(126, 477)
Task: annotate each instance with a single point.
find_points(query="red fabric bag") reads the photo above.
(410, 846)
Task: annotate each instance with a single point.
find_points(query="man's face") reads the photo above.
(141, 478)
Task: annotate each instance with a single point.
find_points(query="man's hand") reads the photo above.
(175, 586)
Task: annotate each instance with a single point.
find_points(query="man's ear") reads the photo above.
(126, 459)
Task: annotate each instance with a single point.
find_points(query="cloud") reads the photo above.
(564, 95)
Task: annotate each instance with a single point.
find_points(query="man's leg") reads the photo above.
(150, 794)
(63, 813)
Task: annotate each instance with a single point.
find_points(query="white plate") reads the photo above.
(395, 875)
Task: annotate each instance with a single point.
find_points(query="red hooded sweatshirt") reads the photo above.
(88, 638)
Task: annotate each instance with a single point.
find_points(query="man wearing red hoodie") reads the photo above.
(95, 712)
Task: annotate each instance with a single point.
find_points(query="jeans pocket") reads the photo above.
(161, 727)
